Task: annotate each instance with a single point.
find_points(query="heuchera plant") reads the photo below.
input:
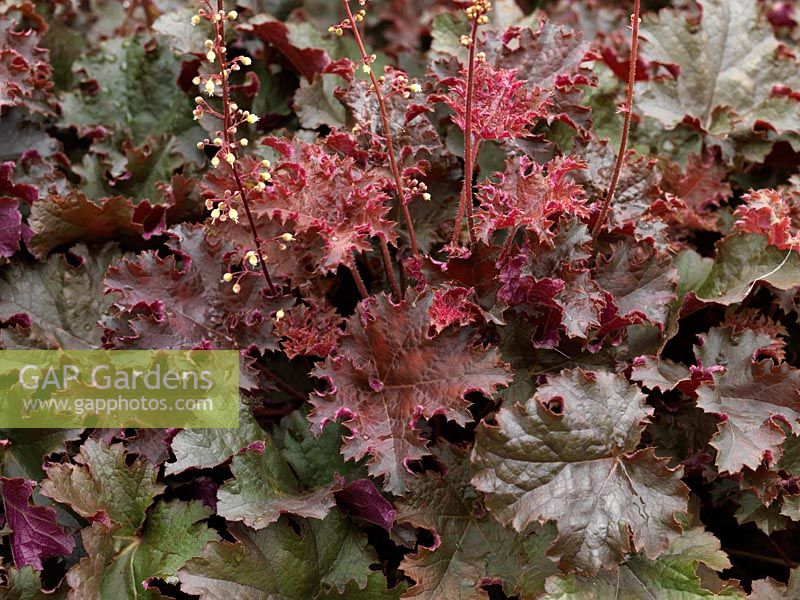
(515, 288)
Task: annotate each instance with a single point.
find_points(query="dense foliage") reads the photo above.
(450, 390)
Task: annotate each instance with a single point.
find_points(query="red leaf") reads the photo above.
(390, 372)
(327, 195)
(532, 196)
(503, 107)
(307, 61)
(772, 215)
(24, 67)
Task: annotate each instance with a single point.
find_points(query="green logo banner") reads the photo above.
(119, 388)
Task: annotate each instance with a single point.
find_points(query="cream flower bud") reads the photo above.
(252, 119)
(287, 237)
(230, 158)
(236, 288)
(227, 277)
(215, 214)
(195, 20)
(280, 314)
(246, 61)
(233, 15)
(211, 56)
(233, 215)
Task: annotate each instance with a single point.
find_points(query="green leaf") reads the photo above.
(569, 455)
(132, 171)
(313, 459)
(64, 300)
(176, 26)
(22, 457)
(102, 481)
(316, 105)
(205, 448)
(137, 93)
(376, 590)
(731, 61)
(672, 576)
(264, 487)
(281, 562)
(25, 584)
(446, 33)
(744, 260)
(118, 565)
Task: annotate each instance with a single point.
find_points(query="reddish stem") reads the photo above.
(469, 152)
(219, 26)
(387, 263)
(623, 144)
(398, 180)
(362, 288)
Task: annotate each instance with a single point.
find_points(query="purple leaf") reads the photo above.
(10, 227)
(363, 499)
(36, 533)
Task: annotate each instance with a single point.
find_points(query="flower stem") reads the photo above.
(387, 263)
(362, 288)
(398, 180)
(465, 201)
(219, 26)
(623, 144)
